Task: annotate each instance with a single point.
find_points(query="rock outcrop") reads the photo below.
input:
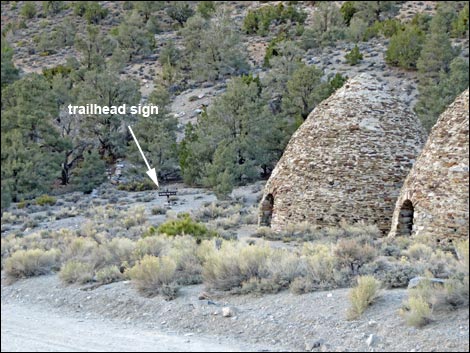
(434, 198)
(346, 162)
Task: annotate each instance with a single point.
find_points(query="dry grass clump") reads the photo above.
(153, 275)
(362, 296)
(74, 271)
(28, 263)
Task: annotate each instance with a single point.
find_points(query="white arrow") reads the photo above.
(151, 171)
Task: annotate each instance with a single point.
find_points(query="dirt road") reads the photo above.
(31, 328)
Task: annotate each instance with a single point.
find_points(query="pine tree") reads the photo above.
(9, 71)
(91, 173)
(305, 90)
(157, 137)
(31, 146)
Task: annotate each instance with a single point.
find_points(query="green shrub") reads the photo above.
(92, 11)
(28, 263)
(45, 200)
(186, 225)
(153, 276)
(259, 20)
(348, 10)
(272, 49)
(405, 47)
(206, 8)
(362, 295)
(28, 10)
(354, 56)
(179, 11)
(460, 24)
(76, 272)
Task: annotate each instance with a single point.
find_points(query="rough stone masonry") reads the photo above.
(434, 199)
(346, 162)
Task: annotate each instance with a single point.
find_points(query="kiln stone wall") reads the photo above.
(347, 161)
(437, 186)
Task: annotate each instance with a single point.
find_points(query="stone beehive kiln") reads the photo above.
(347, 162)
(434, 198)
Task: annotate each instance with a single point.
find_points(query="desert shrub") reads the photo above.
(462, 250)
(186, 225)
(260, 286)
(301, 285)
(10, 218)
(109, 274)
(418, 312)
(153, 276)
(235, 263)
(228, 222)
(418, 252)
(354, 56)
(179, 11)
(151, 245)
(135, 216)
(119, 251)
(137, 186)
(76, 272)
(320, 266)
(158, 210)
(250, 216)
(267, 233)
(215, 210)
(351, 254)
(362, 295)
(393, 274)
(45, 200)
(79, 248)
(284, 267)
(188, 264)
(28, 263)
